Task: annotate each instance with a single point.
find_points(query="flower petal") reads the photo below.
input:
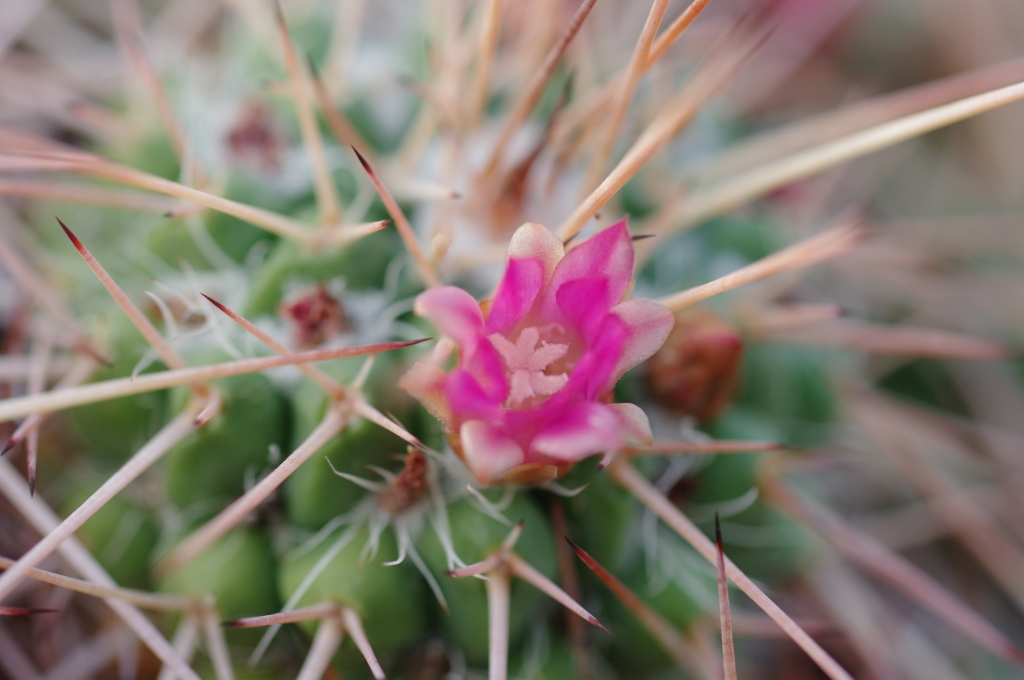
(487, 366)
(584, 430)
(487, 451)
(636, 427)
(606, 255)
(425, 383)
(538, 242)
(467, 399)
(454, 312)
(585, 303)
(648, 325)
(516, 293)
(593, 376)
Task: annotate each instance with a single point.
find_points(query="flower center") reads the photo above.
(526, 364)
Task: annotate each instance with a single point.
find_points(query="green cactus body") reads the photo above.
(239, 573)
(475, 535)
(208, 469)
(389, 599)
(122, 535)
(113, 430)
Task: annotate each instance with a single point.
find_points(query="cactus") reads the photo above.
(465, 339)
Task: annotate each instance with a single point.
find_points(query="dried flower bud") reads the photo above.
(408, 486)
(316, 317)
(696, 370)
(254, 138)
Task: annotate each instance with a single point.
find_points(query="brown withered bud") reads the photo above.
(696, 370)
(254, 138)
(316, 317)
(409, 485)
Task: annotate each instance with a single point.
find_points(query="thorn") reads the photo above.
(398, 422)
(23, 611)
(401, 223)
(482, 567)
(365, 164)
(11, 443)
(518, 567)
(31, 460)
(354, 626)
(169, 213)
(216, 304)
(74, 239)
(724, 611)
(278, 14)
(580, 552)
(513, 536)
(83, 346)
(211, 409)
(316, 611)
(642, 237)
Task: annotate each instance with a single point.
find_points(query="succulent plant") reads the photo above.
(504, 339)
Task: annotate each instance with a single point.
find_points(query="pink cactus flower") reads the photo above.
(529, 395)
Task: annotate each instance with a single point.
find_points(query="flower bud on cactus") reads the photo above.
(695, 372)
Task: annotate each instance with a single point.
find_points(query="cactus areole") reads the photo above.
(529, 394)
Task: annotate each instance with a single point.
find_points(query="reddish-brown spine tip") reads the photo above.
(278, 14)
(95, 355)
(236, 623)
(74, 239)
(32, 480)
(363, 161)
(642, 237)
(1014, 655)
(11, 443)
(580, 552)
(216, 304)
(23, 611)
